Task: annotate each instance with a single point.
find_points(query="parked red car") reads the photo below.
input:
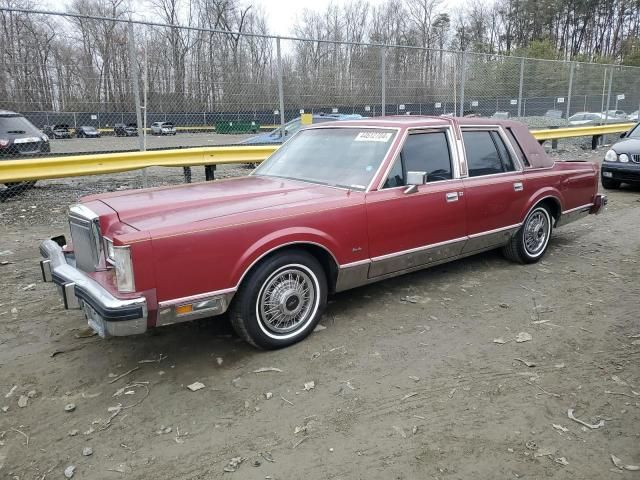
(338, 206)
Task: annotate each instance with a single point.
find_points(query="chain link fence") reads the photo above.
(119, 86)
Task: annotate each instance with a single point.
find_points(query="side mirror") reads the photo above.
(623, 134)
(414, 179)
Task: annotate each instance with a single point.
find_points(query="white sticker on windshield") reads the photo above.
(374, 136)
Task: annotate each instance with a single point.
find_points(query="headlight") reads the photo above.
(108, 248)
(45, 138)
(624, 158)
(124, 269)
(611, 156)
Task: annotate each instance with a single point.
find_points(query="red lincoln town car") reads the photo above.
(338, 206)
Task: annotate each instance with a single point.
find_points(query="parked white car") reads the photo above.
(633, 116)
(587, 118)
(163, 128)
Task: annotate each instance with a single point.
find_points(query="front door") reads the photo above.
(410, 230)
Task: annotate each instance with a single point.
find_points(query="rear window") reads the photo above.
(17, 125)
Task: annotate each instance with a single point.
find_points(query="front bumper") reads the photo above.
(623, 172)
(107, 315)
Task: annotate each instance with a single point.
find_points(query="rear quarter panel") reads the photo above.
(574, 184)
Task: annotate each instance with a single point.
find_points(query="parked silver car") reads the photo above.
(587, 118)
(163, 128)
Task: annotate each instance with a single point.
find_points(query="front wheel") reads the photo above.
(281, 300)
(530, 242)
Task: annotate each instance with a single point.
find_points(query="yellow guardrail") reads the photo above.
(95, 164)
(79, 165)
(571, 132)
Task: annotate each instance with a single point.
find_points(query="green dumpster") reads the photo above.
(237, 126)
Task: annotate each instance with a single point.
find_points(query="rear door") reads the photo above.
(494, 190)
(409, 230)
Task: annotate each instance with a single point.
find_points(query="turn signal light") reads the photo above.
(184, 309)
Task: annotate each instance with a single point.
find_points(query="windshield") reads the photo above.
(89, 129)
(341, 157)
(16, 126)
(635, 133)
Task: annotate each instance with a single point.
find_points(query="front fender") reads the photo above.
(281, 239)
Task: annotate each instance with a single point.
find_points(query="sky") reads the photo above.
(281, 14)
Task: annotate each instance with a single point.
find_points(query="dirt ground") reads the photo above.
(411, 378)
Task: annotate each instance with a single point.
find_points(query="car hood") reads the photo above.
(630, 145)
(159, 208)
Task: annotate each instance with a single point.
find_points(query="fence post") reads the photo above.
(383, 78)
(570, 88)
(280, 86)
(604, 87)
(462, 81)
(520, 87)
(134, 83)
(606, 117)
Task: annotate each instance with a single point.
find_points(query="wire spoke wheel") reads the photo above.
(536, 232)
(287, 300)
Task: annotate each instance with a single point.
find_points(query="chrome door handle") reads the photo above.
(452, 196)
(518, 186)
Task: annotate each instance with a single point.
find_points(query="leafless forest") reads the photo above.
(52, 63)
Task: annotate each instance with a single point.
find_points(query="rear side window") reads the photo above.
(422, 152)
(486, 153)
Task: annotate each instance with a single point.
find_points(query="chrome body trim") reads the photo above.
(357, 276)
(195, 298)
(574, 214)
(86, 236)
(453, 150)
(108, 315)
(363, 272)
(82, 211)
(490, 239)
(218, 303)
(386, 264)
(352, 275)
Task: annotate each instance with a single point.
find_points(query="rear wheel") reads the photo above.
(530, 242)
(280, 301)
(610, 184)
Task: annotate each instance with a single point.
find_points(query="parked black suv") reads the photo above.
(128, 130)
(18, 136)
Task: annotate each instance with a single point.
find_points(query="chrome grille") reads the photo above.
(86, 237)
(635, 157)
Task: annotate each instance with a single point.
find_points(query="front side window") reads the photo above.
(487, 154)
(422, 152)
(341, 157)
